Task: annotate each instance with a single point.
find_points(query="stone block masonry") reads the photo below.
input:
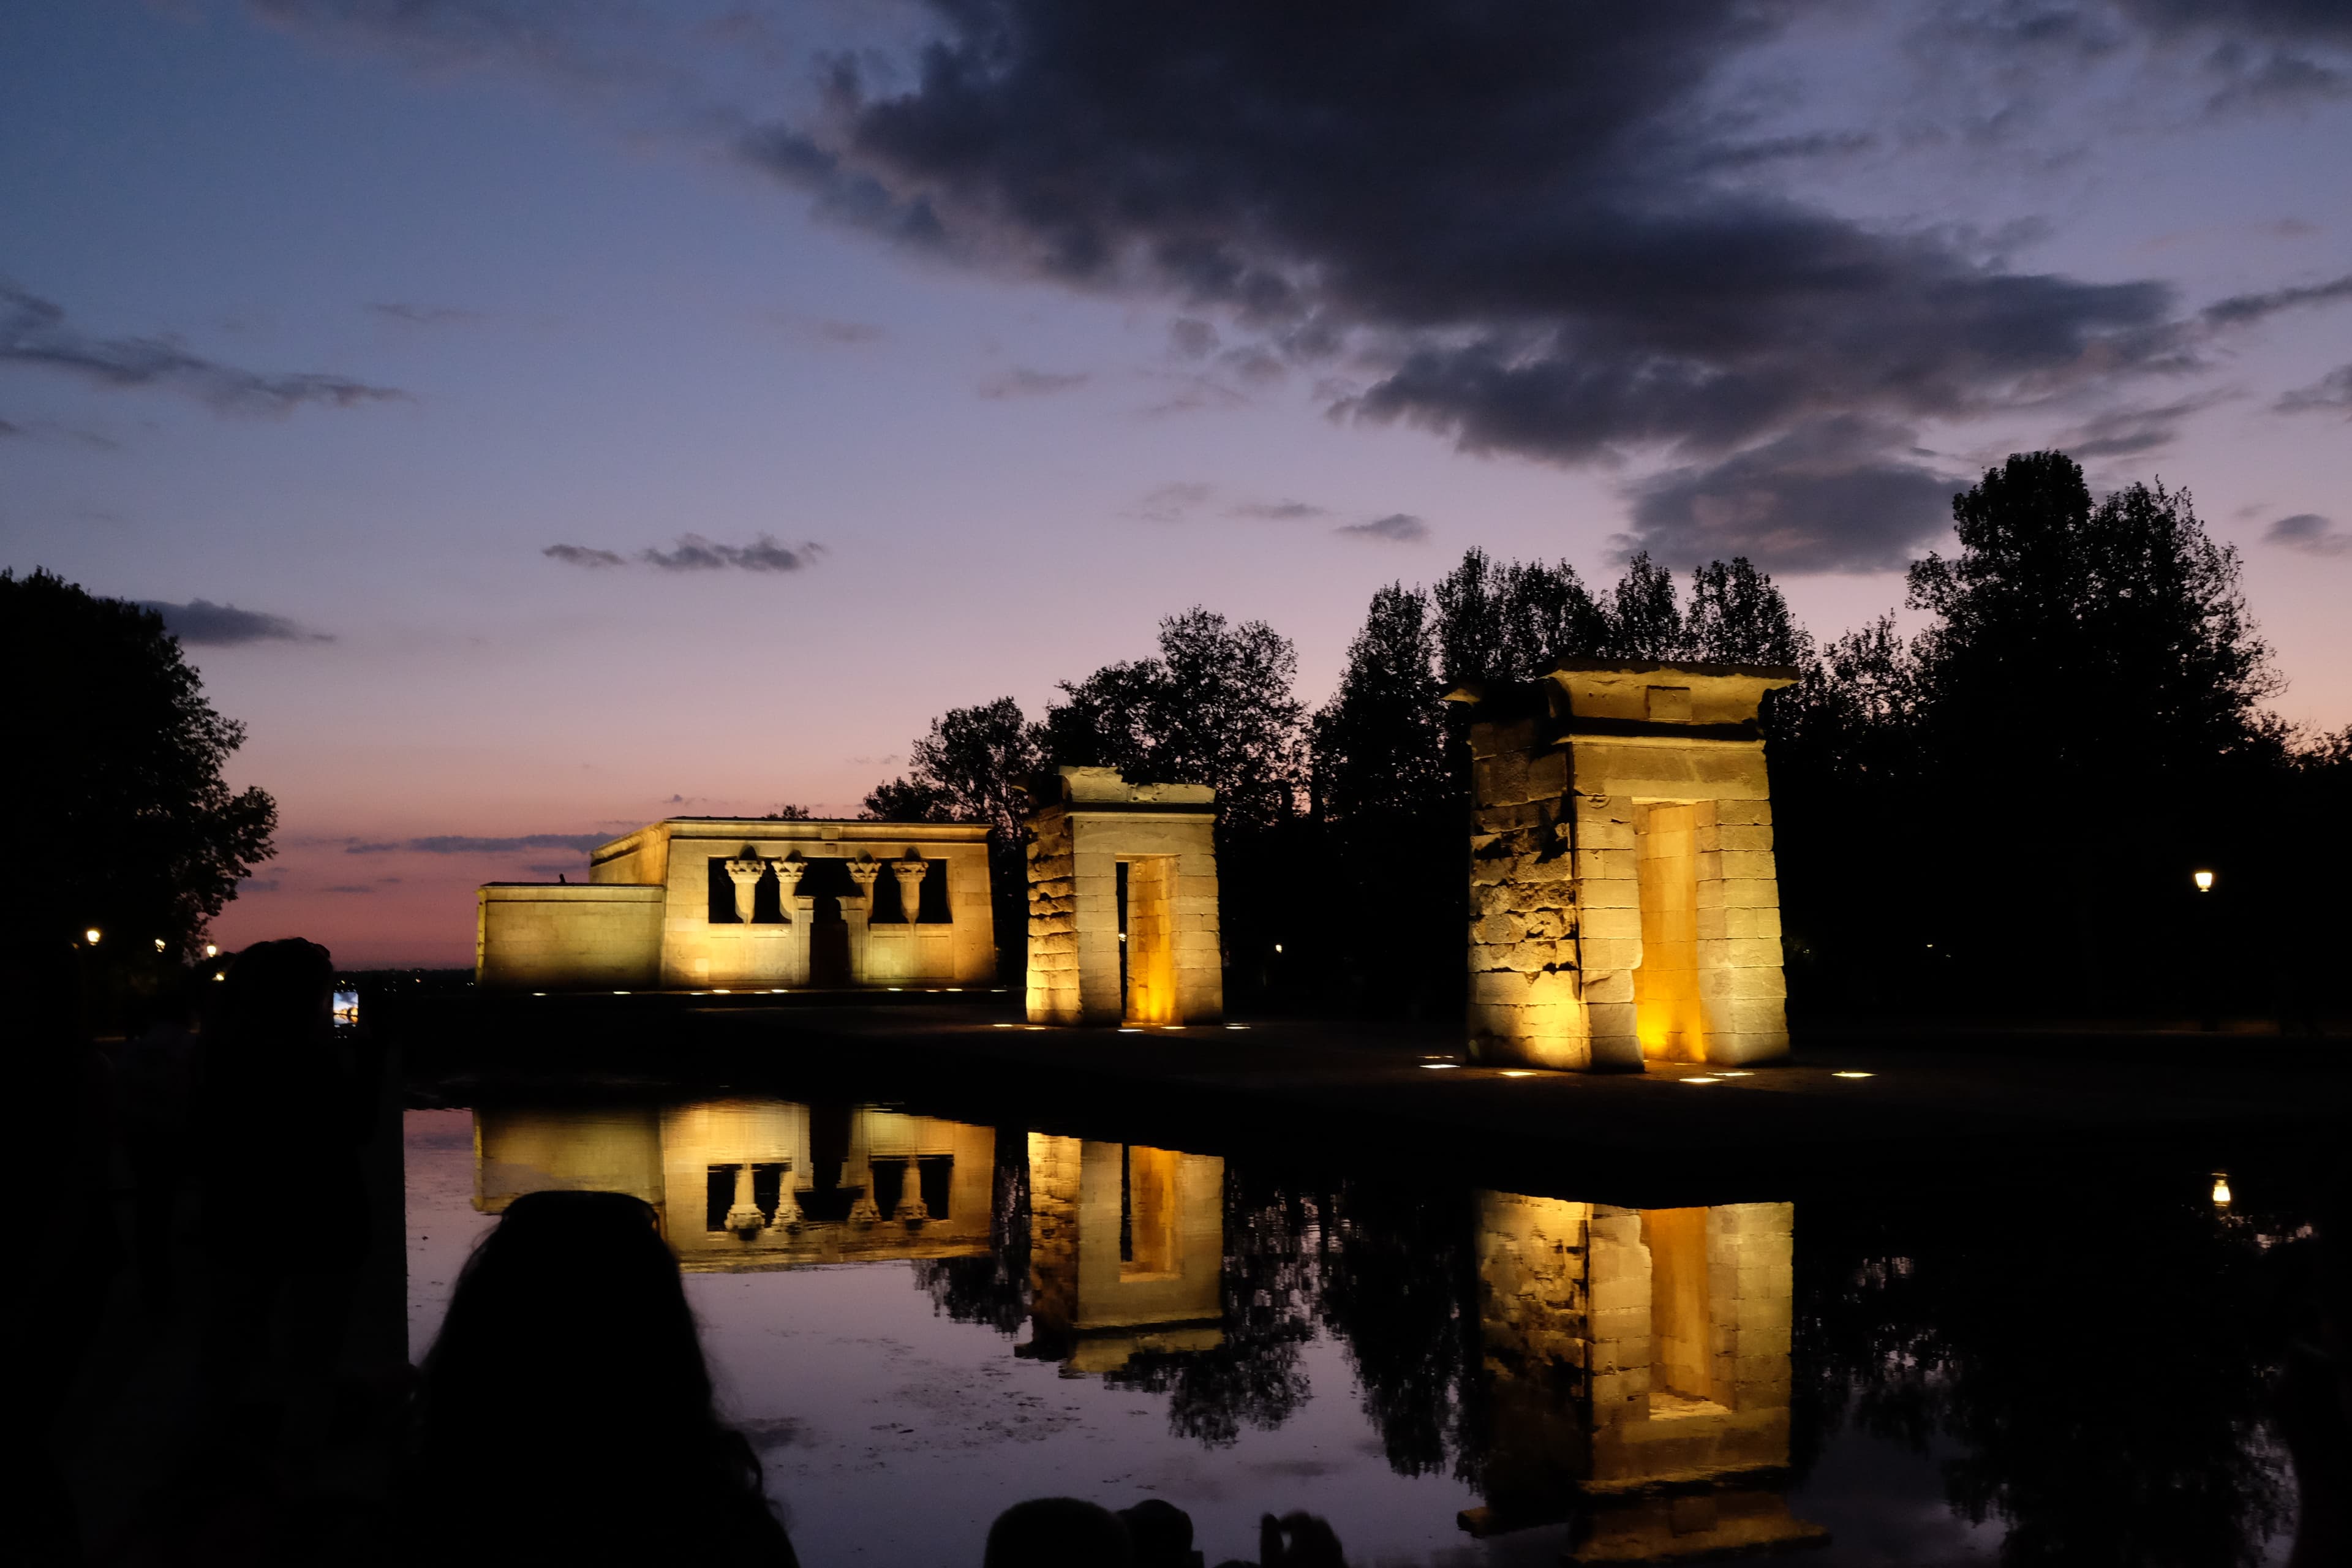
(1122, 903)
(1624, 902)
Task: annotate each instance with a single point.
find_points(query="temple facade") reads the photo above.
(1624, 904)
(725, 903)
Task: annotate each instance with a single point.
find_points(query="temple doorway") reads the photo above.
(1666, 1014)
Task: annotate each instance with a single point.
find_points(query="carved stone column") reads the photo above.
(744, 1216)
(745, 874)
(857, 909)
(910, 872)
(799, 910)
(910, 1208)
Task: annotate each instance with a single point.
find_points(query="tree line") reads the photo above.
(1998, 811)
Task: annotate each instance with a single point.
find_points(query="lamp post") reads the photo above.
(2205, 968)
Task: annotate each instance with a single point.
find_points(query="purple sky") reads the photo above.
(862, 383)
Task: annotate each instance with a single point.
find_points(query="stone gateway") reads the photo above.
(1623, 904)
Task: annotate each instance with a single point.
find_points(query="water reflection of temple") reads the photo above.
(1636, 1368)
(757, 1184)
(1125, 1251)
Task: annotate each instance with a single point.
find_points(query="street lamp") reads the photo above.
(90, 936)
(211, 950)
(2204, 881)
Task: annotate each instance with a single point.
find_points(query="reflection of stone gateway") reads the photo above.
(1637, 1365)
(1624, 900)
(1125, 1251)
(699, 903)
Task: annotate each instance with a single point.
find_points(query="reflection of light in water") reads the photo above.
(1701, 1078)
(1850, 1075)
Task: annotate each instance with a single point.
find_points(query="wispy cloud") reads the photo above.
(426, 315)
(2310, 534)
(693, 552)
(33, 332)
(202, 623)
(2330, 394)
(348, 888)
(1278, 511)
(1172, 503)
(462, 844)
(1023, 382)
(1397, 528)
(2243, 309)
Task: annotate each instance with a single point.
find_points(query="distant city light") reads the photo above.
(1278, 947)
(2220, 1189)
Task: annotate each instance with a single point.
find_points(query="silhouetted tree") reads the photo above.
(1646, 619)
(1389, 811)
(1738, 616)
(114, 776)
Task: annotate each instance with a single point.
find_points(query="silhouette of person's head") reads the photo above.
(278, 995)
(566, 1408)
(1057, 1532)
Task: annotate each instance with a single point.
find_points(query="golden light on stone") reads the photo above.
(1624, 902)
(1701, 1078)
(2204, 881)
(1518, 1072)
(1850, 1074)
(2220, 1189)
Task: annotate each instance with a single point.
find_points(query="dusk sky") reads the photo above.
(599, 411)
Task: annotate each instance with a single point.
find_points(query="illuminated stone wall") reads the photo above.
(1637, 1364)
(1088, 824)
(710, 903)
(1624, 900)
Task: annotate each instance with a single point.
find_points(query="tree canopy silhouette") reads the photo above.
(115, 781)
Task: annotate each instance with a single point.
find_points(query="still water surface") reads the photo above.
(919, 1321)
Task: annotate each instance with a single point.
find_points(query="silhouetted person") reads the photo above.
(1161, 1534)
(1295, 1540)
(283, 1111)
(1057, 1532)
(157, 1094)
(565, 1410)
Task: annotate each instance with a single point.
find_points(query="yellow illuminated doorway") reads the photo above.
(1148, 923)
(1666, 1014)
(1682, 1359)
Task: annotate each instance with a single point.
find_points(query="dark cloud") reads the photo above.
(426, 315)
(1825, 498)
(583, 556)
(693, 552)
(2244, 309)
(377, 849)
(1397, 528)
(256, 885)
(7, 429)
(348, 888)
(1022, 382)
(696, 553)
(2331, 393)
(1554, 259)
(1278, 511)
(202, 623)
(33, 332)
(2311, 533)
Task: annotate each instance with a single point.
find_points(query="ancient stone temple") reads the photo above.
(1637, 1375)
(700, 903)
(1623, 904)
(1125, 1251)
(1122, 902)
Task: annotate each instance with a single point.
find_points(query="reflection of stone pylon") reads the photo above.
(910, 1196)
(865, 1211)
(744, 1216)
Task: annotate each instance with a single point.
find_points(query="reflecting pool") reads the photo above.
(919, 1321)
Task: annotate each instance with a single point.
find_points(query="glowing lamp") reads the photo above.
(2220, 1189)
(211, 950)
(159, 945)
(90, 936)
(1849, 1075)
(2204, 881)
